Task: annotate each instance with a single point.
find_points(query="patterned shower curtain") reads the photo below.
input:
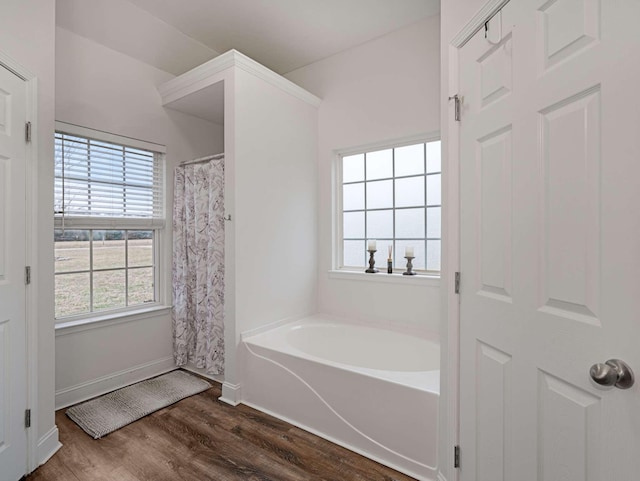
(198, 265)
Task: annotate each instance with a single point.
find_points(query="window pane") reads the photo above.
(410, 223)
(102, 178)
(418, 252)
(379, 164)
(380, 224)
(72, 294)
(433, 189)
(433, 222)
(380, 194)
(397, 201)
(409, 160)
(354, 253)
(353, 168)
(71, 250)
(433, 255)
(109, 290)
(353, 226)
(353, 196)
(108, 249)
(140, 245)
(141, 286)
(410, 192)
(71, 198)
(434, 153)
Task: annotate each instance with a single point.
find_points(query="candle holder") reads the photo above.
(372, 262)
(409, 271)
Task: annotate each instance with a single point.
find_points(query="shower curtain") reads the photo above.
(198, 265)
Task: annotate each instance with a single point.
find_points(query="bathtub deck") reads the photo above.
(201, 438)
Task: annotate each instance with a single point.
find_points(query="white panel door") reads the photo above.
(550, 242)
(13, 384)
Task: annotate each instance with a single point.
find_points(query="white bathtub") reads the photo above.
(371, 390)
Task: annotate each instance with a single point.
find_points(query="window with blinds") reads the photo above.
(103, 179)
(108, 218)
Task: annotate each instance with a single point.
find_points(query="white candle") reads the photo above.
(408, 252)
(372, 245)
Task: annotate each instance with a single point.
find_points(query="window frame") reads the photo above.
(340, 271)
(157, 225)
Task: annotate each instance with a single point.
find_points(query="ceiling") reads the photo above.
(283, 35)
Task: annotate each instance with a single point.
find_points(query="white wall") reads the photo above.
(275, 142)
(383, 90)
(105, 90)
(275, 168)
(27, 35)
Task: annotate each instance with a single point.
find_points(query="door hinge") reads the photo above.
(457, 283)
(27, 275)
(27, 131)
(456, 99)
(27, 418)
(456, 456)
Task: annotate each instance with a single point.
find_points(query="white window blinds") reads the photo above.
(106, 181)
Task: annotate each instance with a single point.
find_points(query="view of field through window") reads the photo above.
(102, 269)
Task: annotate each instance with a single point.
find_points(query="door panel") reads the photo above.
(570, 191)
(495, 72)
(568, 427)
(550, 242)
(567, 26)
(494, 413)
(13, 388)
(494, 215)
(4, 185)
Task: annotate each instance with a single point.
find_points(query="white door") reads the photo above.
(550, 242)
(13, 383)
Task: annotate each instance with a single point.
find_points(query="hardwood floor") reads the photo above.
(201, 438)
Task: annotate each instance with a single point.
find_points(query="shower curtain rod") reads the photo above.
(203, 159)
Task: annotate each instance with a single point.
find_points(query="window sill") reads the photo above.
(396, 278)
(108, 319)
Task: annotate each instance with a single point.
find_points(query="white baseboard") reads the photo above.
(104, 384)
(231, 393)
(202, 372)
(48, 445)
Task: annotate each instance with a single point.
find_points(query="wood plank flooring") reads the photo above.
(199, 439)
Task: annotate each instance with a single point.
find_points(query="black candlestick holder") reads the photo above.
(372, 262)
(409, 271)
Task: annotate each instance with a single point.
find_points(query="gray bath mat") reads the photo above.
(105, 414)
